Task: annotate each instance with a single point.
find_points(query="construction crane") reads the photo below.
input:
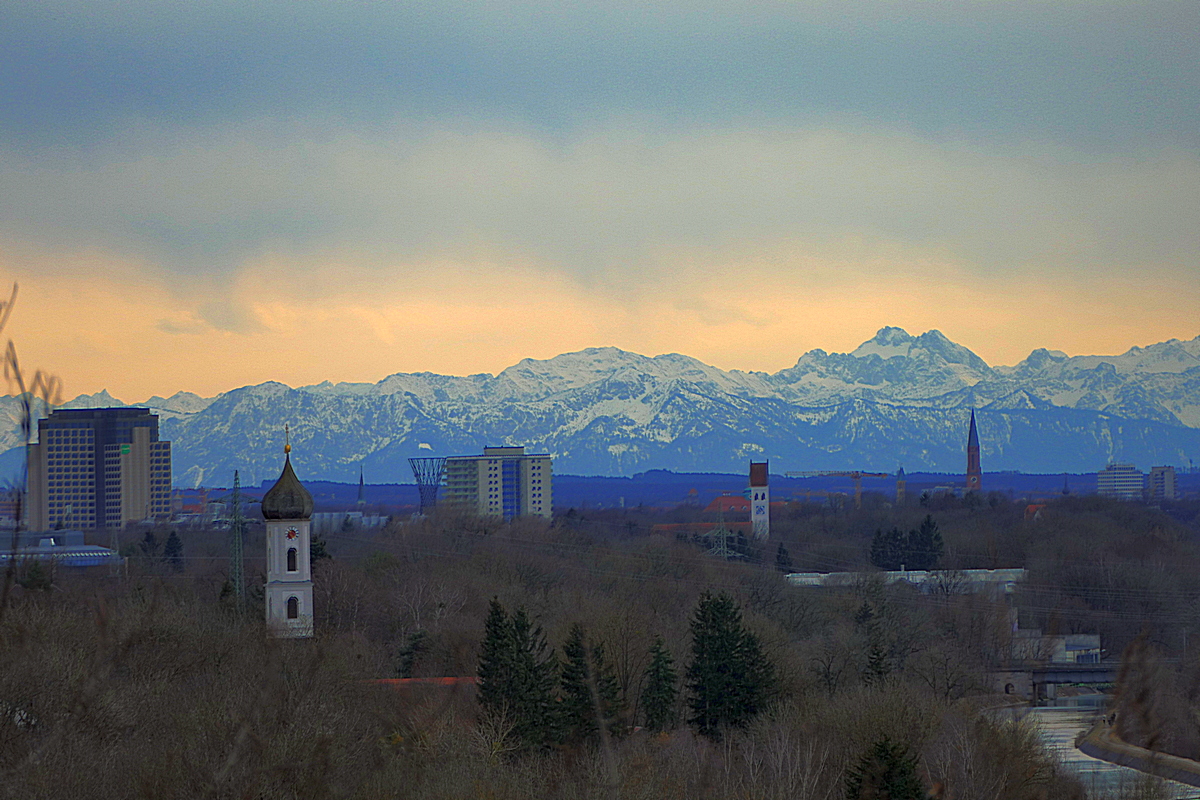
(855, 475)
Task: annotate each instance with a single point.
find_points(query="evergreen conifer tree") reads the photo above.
(36, 578)
(608, 691)
(517, 675)
(317, 549)
(889, 549)
(918, 549)
(879, 662)
(783, 559)
(497, 660)
(925, 544)
(578, 709)
(173, 552)
(885, 771)
(535, 677)
(590, 693)
(150, 544)
(729, 679)
(661, 688)
(412, 648)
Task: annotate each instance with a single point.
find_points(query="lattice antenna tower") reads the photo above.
(236, 546)
(719, 539)
(719, 547)
(429, 473)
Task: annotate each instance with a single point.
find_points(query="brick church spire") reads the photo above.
(974, 474)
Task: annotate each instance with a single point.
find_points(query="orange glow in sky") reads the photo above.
(458, 191)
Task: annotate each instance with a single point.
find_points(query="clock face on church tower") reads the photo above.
(292, 533)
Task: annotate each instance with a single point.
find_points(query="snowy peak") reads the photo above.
(1172, 356)
(935, 344)
(598, 365)
(897, 397)
(891, 366)
(571, 370)
(887, 343)
(102, 399)
(897, 342)
(1039, 361)
(180, 403)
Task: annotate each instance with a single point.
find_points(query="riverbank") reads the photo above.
(1102, 742)
(1062, 726)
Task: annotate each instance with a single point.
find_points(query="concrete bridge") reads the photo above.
(1040, 681)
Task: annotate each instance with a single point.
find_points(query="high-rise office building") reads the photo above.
(98, 468)
(1122, 481)
(1162, 483)
(503, 482)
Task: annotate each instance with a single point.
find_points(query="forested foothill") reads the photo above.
(612, 661)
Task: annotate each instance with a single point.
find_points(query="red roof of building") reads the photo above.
(729, 502)
(758, 473)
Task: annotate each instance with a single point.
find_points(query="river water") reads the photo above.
(1058, 726)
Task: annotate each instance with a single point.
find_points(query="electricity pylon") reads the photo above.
(236, 569)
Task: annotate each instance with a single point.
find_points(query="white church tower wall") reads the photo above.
(760, 501)
(289, 577)
(287, 508)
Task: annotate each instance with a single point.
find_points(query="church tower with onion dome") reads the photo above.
(287, 508)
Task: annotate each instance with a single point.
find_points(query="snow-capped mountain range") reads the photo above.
(896, 400)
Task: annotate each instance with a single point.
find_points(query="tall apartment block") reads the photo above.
(503, 482)
(1162, 483)
(98, 468)
(1122, 481)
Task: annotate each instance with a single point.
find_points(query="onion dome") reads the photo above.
(287, 499)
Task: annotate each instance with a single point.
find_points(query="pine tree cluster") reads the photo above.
(522, 681)
(918, 549)
(518, 674)
(578, 700)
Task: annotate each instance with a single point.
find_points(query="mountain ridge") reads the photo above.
(896, 399)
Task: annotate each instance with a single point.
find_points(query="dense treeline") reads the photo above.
(153, 685)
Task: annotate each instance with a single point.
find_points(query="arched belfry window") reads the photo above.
(292, 560)
(293, 608)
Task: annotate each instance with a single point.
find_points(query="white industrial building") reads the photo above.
(1122, 481)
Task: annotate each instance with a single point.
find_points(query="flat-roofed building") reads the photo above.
(1162, 483)
(1122, 481)
(503, 482)
(98, 468)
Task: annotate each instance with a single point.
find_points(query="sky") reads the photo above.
(201, 196)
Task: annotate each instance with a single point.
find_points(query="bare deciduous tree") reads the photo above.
(35, 396)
